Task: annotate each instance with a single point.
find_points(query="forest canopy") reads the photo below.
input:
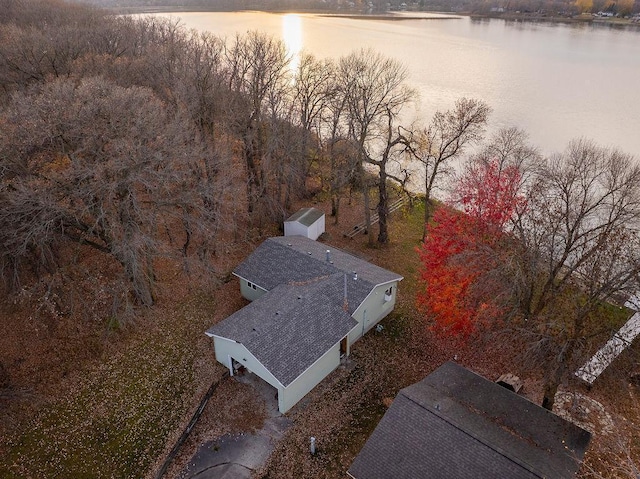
(139, 139)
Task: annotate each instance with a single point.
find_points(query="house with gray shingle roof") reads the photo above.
(309, 304)
(457, 424)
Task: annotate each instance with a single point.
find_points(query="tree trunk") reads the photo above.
(554, 379)
(549, 398)
(251, 177)
(428, 207)
(383, 209)
(335, 209)
(252, 155)
(367, 210)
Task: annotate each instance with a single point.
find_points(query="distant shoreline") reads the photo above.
(538, 18)
(321, 13)
(394, 16)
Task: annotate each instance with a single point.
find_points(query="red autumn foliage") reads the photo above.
(460, 249)
(489, 193)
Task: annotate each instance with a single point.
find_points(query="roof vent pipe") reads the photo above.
(328, 256)
(355, 276)
(345, 305)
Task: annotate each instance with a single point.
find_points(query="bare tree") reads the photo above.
(572, 244)
(375, 93)
(391, 161)
(511, 148)
(579, 247)
(257, 68)
(446, 139)
(42, 39)
(339, 150)
(95, 164)
(201, 95)
(313, 89)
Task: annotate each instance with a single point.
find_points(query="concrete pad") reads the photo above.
(230, 456)
(236, 456)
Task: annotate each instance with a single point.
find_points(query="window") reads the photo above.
(388, 294)
(251, 285)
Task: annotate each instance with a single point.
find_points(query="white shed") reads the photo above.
(308, 222)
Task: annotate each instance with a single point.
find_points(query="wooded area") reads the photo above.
(136, 137)
(541, 246)
(140, 143)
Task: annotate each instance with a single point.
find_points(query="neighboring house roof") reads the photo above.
(291, 259)
(290, 328)
(306, 216)
(456, 424)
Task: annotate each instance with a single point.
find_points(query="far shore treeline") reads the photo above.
(540, 10)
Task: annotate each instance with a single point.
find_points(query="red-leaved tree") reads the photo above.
(460, 255)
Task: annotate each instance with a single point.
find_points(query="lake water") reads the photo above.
(556, 81)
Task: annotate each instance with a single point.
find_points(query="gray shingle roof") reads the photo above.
(290, 328)
(306, 216)
(291, 259)
(456, 424)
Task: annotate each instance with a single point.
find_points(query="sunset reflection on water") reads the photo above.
(292, 37)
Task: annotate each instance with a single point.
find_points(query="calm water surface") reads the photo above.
(556, 81)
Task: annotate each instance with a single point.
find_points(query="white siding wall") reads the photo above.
(370, 312)
(373, 309)
(293, 228)
(226, 347)
(317, 228)
(309, 379)
(249, 292)
(289, 396)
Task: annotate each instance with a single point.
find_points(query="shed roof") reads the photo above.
(293, 259)
(306, 216)
(292, 327)
(455, 423)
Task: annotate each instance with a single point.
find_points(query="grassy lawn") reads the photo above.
(116, 421)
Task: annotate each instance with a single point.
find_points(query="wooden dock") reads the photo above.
(590, 371)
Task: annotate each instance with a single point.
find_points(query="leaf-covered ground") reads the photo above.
(111, 404)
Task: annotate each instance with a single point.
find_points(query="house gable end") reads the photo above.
(290, 327)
